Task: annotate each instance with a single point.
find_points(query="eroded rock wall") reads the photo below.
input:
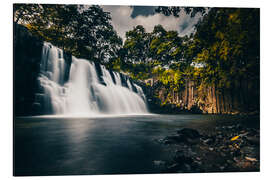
(242, 98)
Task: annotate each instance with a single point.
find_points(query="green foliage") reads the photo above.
(165, 47)
(85, 31)
(228, 41)
(149, 51)
(223, 51)
(136, 46)
(176, 10)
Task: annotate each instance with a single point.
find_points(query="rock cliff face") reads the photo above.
(242, 98)
(26, 62)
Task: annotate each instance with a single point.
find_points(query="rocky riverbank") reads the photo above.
(217, 147)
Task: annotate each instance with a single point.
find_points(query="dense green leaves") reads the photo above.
(136, 45)
(85, 31)
(229, 44)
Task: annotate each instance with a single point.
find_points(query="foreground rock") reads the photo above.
(231, 148)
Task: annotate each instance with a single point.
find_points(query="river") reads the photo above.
(51, 145)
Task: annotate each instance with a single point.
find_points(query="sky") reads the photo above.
(124, 18)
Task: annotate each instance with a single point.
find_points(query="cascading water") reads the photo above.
(83, 93)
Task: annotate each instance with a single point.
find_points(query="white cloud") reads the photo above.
(122, 21)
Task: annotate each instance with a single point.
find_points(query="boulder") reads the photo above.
(189, 133)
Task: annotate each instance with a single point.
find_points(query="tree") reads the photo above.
(25, 12)
(85, 31)
(165, 46)
(136, 46)
(95, 36)
(175, 10)
(229, 44)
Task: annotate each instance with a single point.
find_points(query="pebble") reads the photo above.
(241, 153)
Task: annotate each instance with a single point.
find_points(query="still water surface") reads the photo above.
(101, 145)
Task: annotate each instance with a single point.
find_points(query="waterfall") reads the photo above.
(83, 93)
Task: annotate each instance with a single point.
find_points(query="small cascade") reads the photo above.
(83, 93)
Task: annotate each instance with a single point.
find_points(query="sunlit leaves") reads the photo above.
(225, 38)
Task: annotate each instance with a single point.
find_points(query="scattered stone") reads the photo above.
(190, 133)
(249, 151)
(227, 148)
(243, 134)
(253, 140)
(208, 141)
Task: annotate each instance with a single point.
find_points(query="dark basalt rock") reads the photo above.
(68, 61)
(123, 80)
(216, 151)
(174, 139)
(99, 74)
(112, 75)
(189, 133)
(253, 140)
(185, 136)
(27, 56)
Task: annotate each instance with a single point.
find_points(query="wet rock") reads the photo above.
(185, 136)
(216, 151)
(253, 140)
(253, 132)
(237, 152)
(174, 139)
(192, 141)
(244, 164)
(190, 133)
(209, 141)
(250, 151)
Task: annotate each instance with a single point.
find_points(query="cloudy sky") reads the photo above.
(124, 18)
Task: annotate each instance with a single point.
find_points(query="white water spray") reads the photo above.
(83, 94)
